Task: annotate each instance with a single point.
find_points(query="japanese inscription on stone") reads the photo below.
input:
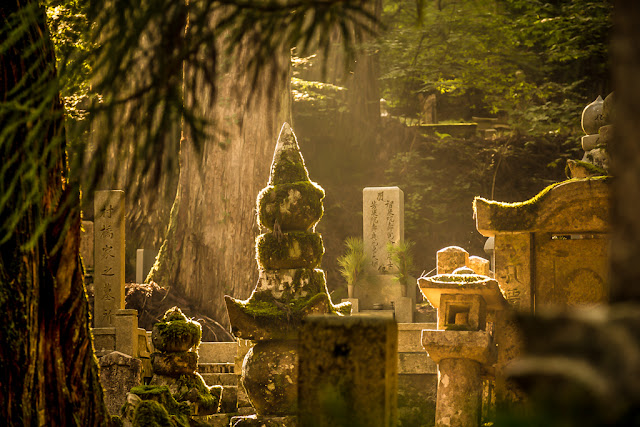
(109, 256)
(383, 222)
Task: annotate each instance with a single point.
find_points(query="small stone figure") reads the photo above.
(176, 387)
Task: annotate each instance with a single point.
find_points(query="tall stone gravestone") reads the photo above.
(383, 223)
(109, 256)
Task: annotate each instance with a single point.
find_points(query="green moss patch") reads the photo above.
(162, 395)
(296, 249)
(177, 335)
(192, 388)
(458, 278)
(296, 206)
(521, 215)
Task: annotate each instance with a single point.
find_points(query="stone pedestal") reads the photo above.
(126, 324)
(459, 400)
(265, 367)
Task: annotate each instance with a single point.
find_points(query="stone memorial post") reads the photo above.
(383, 223)
(108, 256)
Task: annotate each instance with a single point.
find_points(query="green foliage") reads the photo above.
(402, 259)
(354, 263)
(537, 63)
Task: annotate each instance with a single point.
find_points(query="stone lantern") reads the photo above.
(463, 344)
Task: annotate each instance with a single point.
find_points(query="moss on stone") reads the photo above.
(295, 249)
(462, 279)
(296, 206)
(592, 169)
(192, 388)
(162, 395)
(175, 332)
(521, 215)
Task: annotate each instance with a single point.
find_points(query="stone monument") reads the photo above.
(383, 224)
(289, 287)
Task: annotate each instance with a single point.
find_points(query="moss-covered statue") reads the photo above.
(176, 392)
(289, 287)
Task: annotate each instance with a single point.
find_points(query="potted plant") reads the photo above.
(353, 264)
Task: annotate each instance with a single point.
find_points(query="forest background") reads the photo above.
(533, 65)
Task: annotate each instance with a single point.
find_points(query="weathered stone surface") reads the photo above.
(608, 109)
(480, 265)
(174, 364)
(459, 400)
(191, 388)
(348, 371)
(383, 223)
(403, 308)
(462, 311)
(295, 206)
(571, 207)
(288, 164)
(592, 117)
(108, 256)
(126, 324)
(433, 287)
(175, 333)
(266, 365)
(119, 372)
(416, 363)
(417, 399)
(472, 345)
(289, 250)
(410, 336)
(217, 352)
(450, 258)
(286, 283)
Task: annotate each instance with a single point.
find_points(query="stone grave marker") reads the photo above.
(108, 256)
(383, 222)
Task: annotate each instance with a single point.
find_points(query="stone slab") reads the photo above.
(383, 222)
(104, 339)
(109, 289)
(416, 399)
(217, 352)
(513, 253)
(348, 371)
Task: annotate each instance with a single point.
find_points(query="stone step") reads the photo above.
(220, 379)
(216, 368)
(218, 352)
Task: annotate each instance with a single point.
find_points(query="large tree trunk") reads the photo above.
(48, 372)
(209, 249)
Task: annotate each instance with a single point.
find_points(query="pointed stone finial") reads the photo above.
(288, 164)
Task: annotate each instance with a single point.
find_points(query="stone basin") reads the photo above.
(462, 284)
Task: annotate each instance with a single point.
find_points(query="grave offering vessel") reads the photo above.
(289, 287)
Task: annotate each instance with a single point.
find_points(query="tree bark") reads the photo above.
(48, 372)
(209, 249)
